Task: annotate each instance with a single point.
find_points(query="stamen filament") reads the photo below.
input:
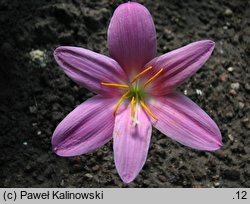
(153, 77)
(141, 73)
(115, 85)
(133, 107)
(147, 110)
(120, 101)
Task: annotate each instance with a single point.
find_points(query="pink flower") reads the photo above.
(135, 91)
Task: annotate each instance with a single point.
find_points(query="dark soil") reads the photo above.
(35, 95)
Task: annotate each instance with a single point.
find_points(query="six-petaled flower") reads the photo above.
(135, 91)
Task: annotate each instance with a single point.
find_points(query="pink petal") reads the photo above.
(132, 37)
(131, 143)
(86, 128)
(89, 69)
(182, 120)
(179, 65)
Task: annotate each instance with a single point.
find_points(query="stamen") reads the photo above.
(120, 101)
(133, 107)
(147, 110)
(141, 73)
(153, 77)
(125, 86)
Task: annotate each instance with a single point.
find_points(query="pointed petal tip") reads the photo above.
(217, 146)
(59, 50)
(218, 138)
(127, 178)
(57, 53)
(210, 43)
(61, 151)
(214, 144)
(56, 149)
(206, 43)
(129, 3)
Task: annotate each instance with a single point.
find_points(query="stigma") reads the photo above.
(135, 93)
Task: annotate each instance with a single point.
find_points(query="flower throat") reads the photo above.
(135, 93)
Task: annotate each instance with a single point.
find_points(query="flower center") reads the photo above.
(135, 93)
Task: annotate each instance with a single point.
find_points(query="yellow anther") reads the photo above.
(141, 73)
(120, 101)
(153, 77)
(147, 110)
(125, 86)
(133, 107)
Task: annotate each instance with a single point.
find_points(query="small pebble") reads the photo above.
(62, 183)
(216, 177)
(95, 168)
(229, 114)
(25, 143)
(88, 175)
(235, 86)
(246, 122)
(231, 137)
(232, 92)
(162, 178)
(221, 51)
(199, 92)
(216, 184)
(76, 88)
(230, 69)
(241, 105)
(223, 77)
(32, 109)
(228, 12)
(247, 86)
